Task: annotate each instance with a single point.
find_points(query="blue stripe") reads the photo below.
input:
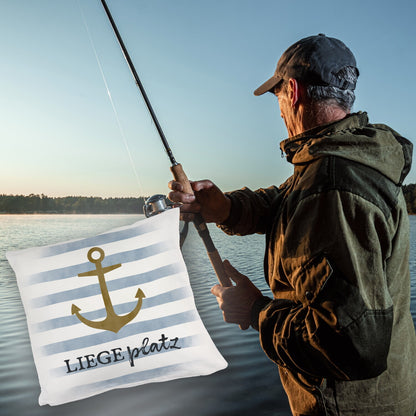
(94, 289)
(140, 229)
(124, 257)
(172, 371)
(185, 342)
(171, 296)
(130, 329)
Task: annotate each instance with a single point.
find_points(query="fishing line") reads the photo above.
(120, 127)
(176, 168)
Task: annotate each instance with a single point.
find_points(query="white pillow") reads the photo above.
(139, 325)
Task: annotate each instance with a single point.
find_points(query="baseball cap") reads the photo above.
(314, 60)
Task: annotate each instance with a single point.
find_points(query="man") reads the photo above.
(339, 324)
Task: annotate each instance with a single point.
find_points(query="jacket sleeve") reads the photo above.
(250, 210)
(338, 319)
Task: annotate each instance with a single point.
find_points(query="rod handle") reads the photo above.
(213, 254)
(180, 176)
(218, 266)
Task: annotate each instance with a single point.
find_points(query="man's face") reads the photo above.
(286, 111)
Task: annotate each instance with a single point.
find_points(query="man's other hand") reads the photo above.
(236, 301)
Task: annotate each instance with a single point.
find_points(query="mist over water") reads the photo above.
(250, 386)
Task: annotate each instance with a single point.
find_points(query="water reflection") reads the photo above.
(250, 385)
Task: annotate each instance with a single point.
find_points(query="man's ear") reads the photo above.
(293, 92)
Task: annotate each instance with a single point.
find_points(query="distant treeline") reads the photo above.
(410, 197)
(42, 204)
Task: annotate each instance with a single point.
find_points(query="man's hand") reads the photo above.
(236, 301)
(208, 200)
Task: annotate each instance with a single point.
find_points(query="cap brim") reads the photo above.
(268, 85)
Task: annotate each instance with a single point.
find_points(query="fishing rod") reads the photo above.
(176, 168)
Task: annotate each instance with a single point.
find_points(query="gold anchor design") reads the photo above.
(112, 322)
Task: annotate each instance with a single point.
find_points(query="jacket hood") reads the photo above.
(374, 145)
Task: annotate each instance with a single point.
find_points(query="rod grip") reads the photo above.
(180, 176)
(218, 266)
(212, 252)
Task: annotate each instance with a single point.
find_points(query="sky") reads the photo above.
(73, 121)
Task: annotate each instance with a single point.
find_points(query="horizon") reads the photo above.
(74, 196)
(74, 122)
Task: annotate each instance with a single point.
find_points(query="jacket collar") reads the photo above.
(352, 121)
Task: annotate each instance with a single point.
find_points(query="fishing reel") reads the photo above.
(156, 204)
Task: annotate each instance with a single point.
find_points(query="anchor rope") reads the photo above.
(120, 127)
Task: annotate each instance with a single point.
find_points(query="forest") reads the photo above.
(42, 204)
(409, 192)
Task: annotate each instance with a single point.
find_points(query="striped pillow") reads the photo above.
(115, 310)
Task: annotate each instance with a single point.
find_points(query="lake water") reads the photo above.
(250, 386)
